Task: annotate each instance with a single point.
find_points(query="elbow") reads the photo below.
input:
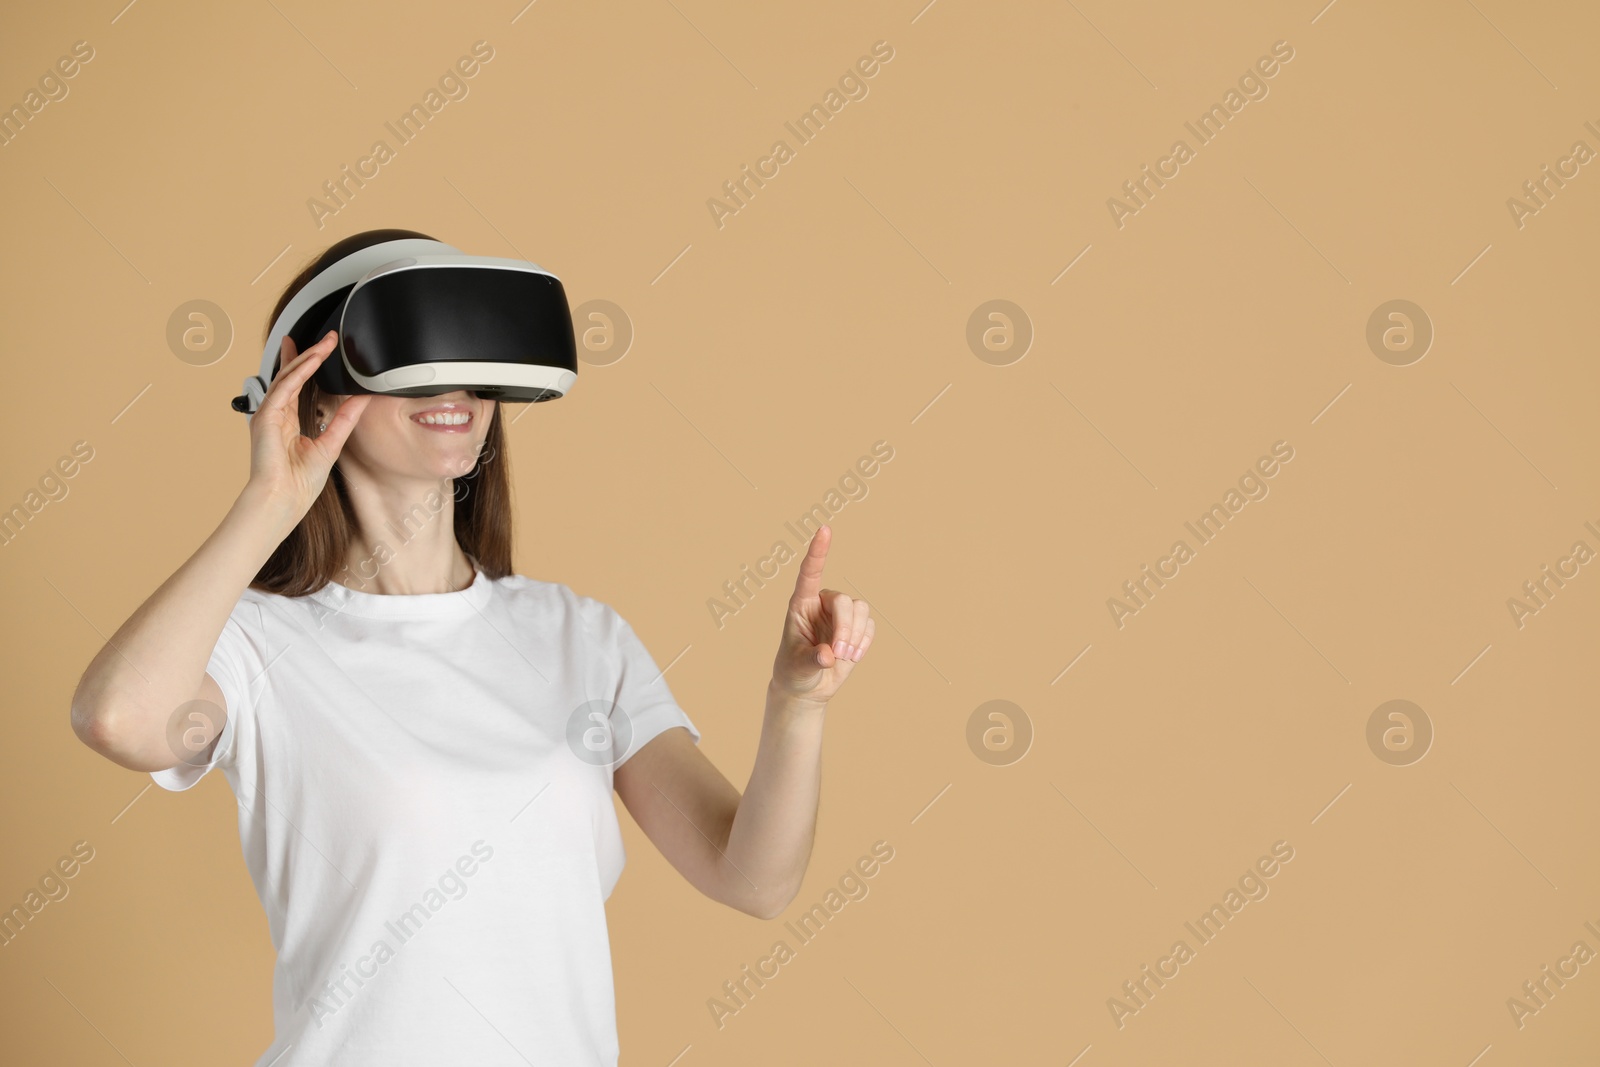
(93, 719)
(95, 727)
(770, 905)
(108, 730)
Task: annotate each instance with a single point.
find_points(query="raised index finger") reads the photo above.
(808, 583)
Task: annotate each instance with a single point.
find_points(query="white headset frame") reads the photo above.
(365, 264)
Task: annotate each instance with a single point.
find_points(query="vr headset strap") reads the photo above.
(338, 275)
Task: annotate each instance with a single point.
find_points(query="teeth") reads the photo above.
(444, 418)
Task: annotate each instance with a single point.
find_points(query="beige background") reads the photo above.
(831, 312)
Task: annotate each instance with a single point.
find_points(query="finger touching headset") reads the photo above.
(416, 317)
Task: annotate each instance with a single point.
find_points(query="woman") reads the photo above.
(423, 744)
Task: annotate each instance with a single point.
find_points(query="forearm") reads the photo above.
(155, 661)
(769, 842)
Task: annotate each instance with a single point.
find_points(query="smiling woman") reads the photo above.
(474, 469)
(367, 731)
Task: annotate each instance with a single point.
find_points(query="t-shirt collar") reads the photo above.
(348, 601)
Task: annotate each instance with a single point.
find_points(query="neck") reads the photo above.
(405, 541)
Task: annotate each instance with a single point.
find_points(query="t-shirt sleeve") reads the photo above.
(234, 666)
(641, 697)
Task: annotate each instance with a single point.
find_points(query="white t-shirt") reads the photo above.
(424, 787)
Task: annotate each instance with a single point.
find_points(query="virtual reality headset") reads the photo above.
(416, 317)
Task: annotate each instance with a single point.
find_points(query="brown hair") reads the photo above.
(316, 548)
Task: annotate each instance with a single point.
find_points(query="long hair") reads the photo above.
(317, 548)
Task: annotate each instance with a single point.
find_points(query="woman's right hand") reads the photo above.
(287, 467)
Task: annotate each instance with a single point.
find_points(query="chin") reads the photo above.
(458, 461)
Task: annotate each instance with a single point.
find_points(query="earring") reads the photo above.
(321, 426)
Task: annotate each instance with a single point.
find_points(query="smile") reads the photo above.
(444, 421)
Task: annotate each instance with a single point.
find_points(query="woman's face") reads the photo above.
(419, 437)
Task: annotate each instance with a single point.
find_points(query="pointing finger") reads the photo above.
(808, 583)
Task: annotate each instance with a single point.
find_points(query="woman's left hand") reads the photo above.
(825, 633)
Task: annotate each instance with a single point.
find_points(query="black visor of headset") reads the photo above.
(418, 318)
